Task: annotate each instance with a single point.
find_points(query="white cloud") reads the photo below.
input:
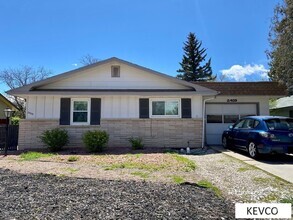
(264, 75)
(240, 73)
(74, 64)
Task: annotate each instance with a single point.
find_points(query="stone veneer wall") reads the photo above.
(154, 132)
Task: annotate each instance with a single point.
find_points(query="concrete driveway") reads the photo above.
(278, 165)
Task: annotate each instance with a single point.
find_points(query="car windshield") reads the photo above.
(280, 124)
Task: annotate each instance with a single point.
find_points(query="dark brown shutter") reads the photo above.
(186, 108)
(144, 108)
(64, 111)
(95, 111)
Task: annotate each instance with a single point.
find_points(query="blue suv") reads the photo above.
(260, 135)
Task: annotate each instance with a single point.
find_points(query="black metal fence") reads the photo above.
(12, 137)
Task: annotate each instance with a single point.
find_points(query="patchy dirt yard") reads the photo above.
(155, 167)
(225, 175)
(221, 179)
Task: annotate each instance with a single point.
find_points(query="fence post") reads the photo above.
(6, 138)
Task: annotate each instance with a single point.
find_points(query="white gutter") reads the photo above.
(203, 120)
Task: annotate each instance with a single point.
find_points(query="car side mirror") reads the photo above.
(230, 127)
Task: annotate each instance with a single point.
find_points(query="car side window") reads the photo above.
(248, 123)
(239, 124)
(256, 123)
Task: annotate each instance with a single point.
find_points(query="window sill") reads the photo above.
(164, 117)
(79, 126)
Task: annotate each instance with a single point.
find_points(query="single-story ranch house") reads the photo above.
(128, 100)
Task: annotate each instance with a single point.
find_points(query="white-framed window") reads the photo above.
(165, 108)
(80, 111)
(115, 71)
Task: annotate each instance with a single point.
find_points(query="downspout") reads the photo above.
(203, 120)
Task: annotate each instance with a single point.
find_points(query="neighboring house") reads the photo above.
(128, 100)
(5, 103)
(283, 107)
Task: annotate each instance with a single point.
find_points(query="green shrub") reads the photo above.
(95, 141)
(136, 143)
(15, 120)
(55, 138)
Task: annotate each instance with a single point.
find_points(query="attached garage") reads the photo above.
(236, 100)
(219, 116)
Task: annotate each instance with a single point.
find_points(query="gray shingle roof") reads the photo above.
(246, 88)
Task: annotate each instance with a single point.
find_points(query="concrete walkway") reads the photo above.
(281, 167)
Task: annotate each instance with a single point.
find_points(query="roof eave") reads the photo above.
(120, 93)
(270, 96)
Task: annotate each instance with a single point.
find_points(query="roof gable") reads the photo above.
(97, 77)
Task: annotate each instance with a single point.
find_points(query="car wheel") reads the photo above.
(225, 142)
(252, 150)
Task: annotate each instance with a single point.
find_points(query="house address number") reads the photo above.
(231, 100)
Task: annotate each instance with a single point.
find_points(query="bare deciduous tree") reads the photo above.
(88, 59)
(17, 77)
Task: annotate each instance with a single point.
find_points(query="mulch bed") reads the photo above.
(40, 196)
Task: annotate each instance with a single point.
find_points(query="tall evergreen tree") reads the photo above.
(192, 68)
(281, 41)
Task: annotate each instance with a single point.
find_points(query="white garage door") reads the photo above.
(220, 116)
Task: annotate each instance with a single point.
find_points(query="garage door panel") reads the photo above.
(214, 130)
(214, 109)
(248, 109)
(230, 109)
(214, 138)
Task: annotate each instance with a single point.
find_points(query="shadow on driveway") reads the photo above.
(268, 158)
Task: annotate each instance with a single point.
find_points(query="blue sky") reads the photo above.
(56, 34)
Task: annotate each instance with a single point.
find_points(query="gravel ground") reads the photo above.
(43, 196)
(239, 181)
